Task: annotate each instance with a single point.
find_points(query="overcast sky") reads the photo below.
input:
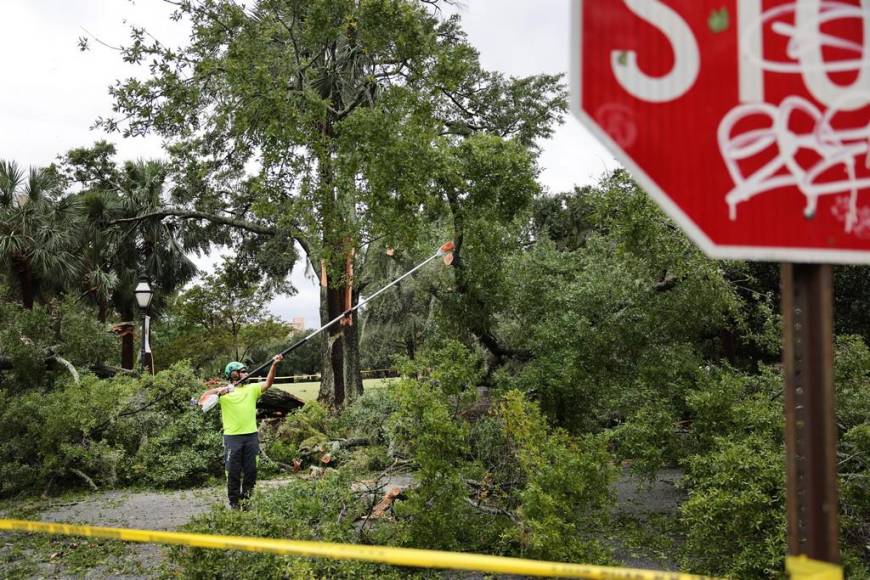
(52, 92)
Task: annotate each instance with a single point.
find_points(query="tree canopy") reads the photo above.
(326, 125)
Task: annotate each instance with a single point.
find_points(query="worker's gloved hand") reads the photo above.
(226, 389)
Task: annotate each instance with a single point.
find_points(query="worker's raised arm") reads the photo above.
(271, 377)
(215, 391)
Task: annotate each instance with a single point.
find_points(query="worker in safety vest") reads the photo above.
(239, 416)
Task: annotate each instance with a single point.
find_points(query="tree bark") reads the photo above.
(25, 279)
(353, 386)
(103, 313)
(327, 385)
(341, 377)
(127, 350)
(333, 362)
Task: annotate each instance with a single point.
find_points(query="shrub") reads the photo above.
(186, 452)
(564, 505)
(323, 509)
(28, 337)
(108, 431)
(734, 516)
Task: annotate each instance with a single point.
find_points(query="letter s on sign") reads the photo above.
(687, 58)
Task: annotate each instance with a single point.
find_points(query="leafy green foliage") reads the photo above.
(364, 418)
(735, 514)
(436, 513)
(309, 421)
(454, 369)
(30, 338)
(109, 432)
(564, 504)
(852, 381)
(185, 452)
(624, 320)
(300, 510)
(24, 337)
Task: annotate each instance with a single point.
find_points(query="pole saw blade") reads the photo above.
(446, 248)
(446, 251)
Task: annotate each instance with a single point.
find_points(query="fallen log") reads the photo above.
(277, 403)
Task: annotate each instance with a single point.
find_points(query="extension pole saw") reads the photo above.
(445, 252)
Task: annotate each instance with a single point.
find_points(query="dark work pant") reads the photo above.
(240, 459)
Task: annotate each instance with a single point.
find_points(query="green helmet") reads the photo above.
(233, 366)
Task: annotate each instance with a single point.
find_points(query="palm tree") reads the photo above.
(117, 253)
(159, 247)
(38, 230)
(124, 235)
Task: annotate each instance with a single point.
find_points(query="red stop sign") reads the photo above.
(747, 120)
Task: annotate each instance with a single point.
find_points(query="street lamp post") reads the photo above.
(144, 293)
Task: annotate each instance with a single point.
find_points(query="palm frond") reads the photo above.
(11, 177)
(39, 184)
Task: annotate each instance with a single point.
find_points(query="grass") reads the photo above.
(309, 391)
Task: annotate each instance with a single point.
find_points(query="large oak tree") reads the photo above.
(326, 124)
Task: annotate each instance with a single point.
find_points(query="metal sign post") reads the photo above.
(810, 423)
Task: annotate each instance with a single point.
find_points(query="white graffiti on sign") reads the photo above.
(839, 163)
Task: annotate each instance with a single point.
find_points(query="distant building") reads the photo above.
(298, 323)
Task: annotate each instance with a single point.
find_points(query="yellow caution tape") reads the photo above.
(803, 568)
(381, 554)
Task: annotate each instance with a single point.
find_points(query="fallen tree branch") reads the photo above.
(101, 370)
(284, 466)
(84, 476)
(69, 366)
(492, 510)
